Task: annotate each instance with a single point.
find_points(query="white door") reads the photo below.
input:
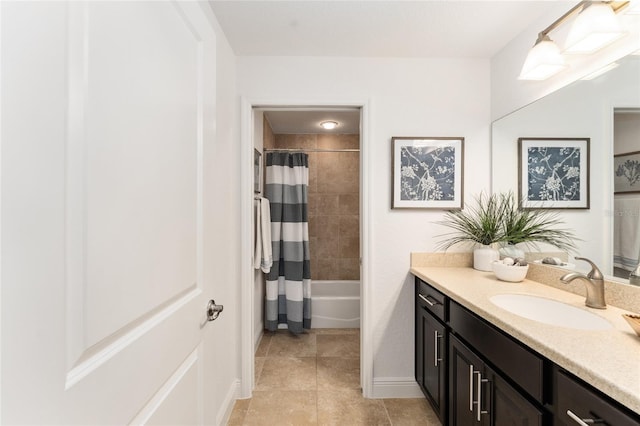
(107, 119)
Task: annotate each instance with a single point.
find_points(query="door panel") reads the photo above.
(103, 135)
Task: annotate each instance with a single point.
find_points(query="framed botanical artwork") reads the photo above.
(427, 172)
(626, 167)
(553, 173)
(257, 171)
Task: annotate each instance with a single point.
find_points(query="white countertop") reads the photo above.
(609, 360)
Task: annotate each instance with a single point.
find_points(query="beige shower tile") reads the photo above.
(326, 269)
(349, 247)
(349, 226)
(338, 373)
(282, 408)
(327, 204)
(338, 141)
(349, 268)
(340, 345)
(301, 142)
(349, 204)
(312, 204)
(410, 412)
(286, 344)
(348, 407)
(288, 373)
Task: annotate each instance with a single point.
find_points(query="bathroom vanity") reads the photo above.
(480, 364)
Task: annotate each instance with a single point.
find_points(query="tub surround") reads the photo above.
(608, 360)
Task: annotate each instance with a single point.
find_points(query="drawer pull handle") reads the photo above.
(436, 336)
(479, 410)
(471, 401)
(428, 301)
(583, 422)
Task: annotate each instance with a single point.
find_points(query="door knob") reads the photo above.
(213, 310)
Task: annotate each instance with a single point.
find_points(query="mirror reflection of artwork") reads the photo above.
(427, 172)
(627, 173)
(554, 172)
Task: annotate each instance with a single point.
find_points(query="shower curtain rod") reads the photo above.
(309, 150)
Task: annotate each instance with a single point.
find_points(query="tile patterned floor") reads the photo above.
(314, 379)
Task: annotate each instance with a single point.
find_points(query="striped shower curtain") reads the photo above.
(288, 293)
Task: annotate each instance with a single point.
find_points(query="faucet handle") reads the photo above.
(595, 273)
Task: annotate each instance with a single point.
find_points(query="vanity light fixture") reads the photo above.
(594, 28)
(329, 125)
(545, 58)
(543, 61)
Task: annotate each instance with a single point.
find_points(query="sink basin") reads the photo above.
(550, 311)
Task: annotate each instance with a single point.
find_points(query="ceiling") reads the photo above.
(307, 121)
(371, 28)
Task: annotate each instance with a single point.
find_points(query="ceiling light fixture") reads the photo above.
(545, 58)
(329, 125)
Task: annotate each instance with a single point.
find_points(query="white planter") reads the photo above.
(483, 257)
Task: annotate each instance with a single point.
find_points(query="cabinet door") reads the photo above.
(464, 367)
(505, 405)
(575, 402)
(434, 362)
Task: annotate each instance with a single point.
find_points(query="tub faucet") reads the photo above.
(594, 282)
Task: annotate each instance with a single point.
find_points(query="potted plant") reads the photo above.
(532, 226)
(480, 224)
(499, 219)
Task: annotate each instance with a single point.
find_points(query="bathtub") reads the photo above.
(335, 304)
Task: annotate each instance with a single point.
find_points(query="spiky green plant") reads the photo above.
(499, 218)
(480, 223)
(534, 226)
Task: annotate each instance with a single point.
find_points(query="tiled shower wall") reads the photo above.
(334, 218)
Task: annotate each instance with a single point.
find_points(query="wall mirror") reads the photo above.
(585, 109)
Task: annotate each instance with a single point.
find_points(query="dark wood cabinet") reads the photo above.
(464, 366)
(431, 348)
(576, 401)
(480, 396)
(473, 373)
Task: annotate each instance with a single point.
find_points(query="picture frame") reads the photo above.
(626, 173)
(257, 171)
(427, 173)
(553, 173)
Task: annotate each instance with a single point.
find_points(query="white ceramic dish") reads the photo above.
(510, 273)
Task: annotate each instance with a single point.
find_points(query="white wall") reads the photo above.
(408, 97)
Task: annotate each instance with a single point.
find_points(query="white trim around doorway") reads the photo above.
(246, 245)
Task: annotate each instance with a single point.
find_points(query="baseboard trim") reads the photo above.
(396, 387)
(227, 404)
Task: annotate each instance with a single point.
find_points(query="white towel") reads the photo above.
(626, 224)
(263, 258)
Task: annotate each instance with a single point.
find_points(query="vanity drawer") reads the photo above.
(575, 399)
(431, 299)
(514, 360)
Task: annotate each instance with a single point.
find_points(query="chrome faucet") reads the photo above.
(594, 282)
